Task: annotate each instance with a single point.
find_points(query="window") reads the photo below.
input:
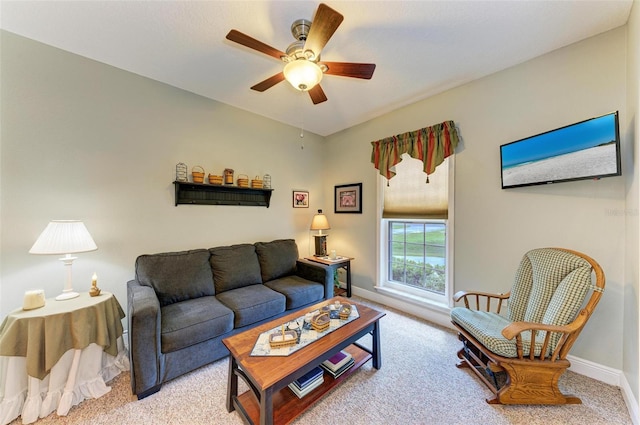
(415, 232)
(417, 254)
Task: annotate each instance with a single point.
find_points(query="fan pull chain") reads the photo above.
(302, 118)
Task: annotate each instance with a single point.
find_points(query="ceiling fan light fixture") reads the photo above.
(302, 74)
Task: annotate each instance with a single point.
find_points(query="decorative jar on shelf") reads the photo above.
(181, 172)
(228, 176)
(198, 174)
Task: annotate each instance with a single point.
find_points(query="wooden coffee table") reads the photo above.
(268, 400)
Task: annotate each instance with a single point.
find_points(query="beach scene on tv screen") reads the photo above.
(581, 150)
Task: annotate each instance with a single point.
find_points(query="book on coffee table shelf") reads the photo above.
(337, 361)
(338, 364)
(340, 371)
(313, 386)
(305, 380)
(307, 383)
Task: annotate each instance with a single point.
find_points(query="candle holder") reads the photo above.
(94, 291)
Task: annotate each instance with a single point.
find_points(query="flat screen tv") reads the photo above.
(588, 149)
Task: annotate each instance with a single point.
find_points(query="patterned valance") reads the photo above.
(431, 145)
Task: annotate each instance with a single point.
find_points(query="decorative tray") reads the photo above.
(272, 343)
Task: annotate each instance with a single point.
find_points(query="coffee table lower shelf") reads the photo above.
(286, 405)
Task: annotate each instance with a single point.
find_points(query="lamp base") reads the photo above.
(321, 245)
(67, 296)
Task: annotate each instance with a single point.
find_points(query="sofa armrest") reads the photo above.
(144, 338)
(316, 272)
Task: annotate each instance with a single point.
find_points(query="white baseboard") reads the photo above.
(580, 366)
(630, 401)
(596, 371)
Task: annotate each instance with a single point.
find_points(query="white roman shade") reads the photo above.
(408, 196)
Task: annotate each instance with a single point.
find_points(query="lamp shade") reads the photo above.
(64, 237)
(320, 222)
(302, 74)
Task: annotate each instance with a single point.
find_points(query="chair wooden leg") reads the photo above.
(470, 361)
(529, 383)
(462, 363)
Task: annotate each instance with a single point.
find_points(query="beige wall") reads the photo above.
(82, 140)
(631, 339)
(494, 227)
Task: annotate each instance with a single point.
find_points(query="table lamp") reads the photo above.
(320, 223)
(64, 237)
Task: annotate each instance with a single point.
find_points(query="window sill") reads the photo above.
(439, 307)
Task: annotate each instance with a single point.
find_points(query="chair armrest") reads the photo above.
(516, 328)
(482, 296)
(568, 334)
(144, 336)
(316, 272)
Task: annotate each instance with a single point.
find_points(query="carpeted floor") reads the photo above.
(417, 384)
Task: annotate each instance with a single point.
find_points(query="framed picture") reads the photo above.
(300, 199)
(348, 198)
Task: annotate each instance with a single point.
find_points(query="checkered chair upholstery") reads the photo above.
(547, 308)
(549, 288)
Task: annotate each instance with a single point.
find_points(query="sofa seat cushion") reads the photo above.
(251, 304)
(176, 276)
(189, 322)
(277, 258)
(297, 290)
(487, 328)
(234, 266)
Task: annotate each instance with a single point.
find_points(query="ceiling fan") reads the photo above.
(303, 68)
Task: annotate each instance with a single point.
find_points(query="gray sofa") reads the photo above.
(182, 304)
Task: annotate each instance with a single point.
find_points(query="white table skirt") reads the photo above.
(78, 375)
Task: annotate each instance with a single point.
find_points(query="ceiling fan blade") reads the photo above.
(325, 22)
(317, 94)
(269, 82)
(349, 69)
(252, 43)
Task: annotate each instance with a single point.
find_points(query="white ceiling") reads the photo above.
(421, 48)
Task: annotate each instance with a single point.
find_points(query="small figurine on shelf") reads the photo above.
(94, 291)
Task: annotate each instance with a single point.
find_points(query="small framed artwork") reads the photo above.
(300, 199)
(348, 198)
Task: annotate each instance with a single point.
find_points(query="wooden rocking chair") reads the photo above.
(545, 311)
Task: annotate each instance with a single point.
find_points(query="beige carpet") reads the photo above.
(417, 384)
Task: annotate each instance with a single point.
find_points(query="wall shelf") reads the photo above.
(208, 194)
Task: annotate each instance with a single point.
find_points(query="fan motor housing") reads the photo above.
(300, 29)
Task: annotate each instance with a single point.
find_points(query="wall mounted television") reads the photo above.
(588, 149)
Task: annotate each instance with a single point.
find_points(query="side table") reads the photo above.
(340, 262)
(65, 351)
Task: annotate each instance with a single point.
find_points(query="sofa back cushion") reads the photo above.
(277, 258)
(234, 266)
(176, 276)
